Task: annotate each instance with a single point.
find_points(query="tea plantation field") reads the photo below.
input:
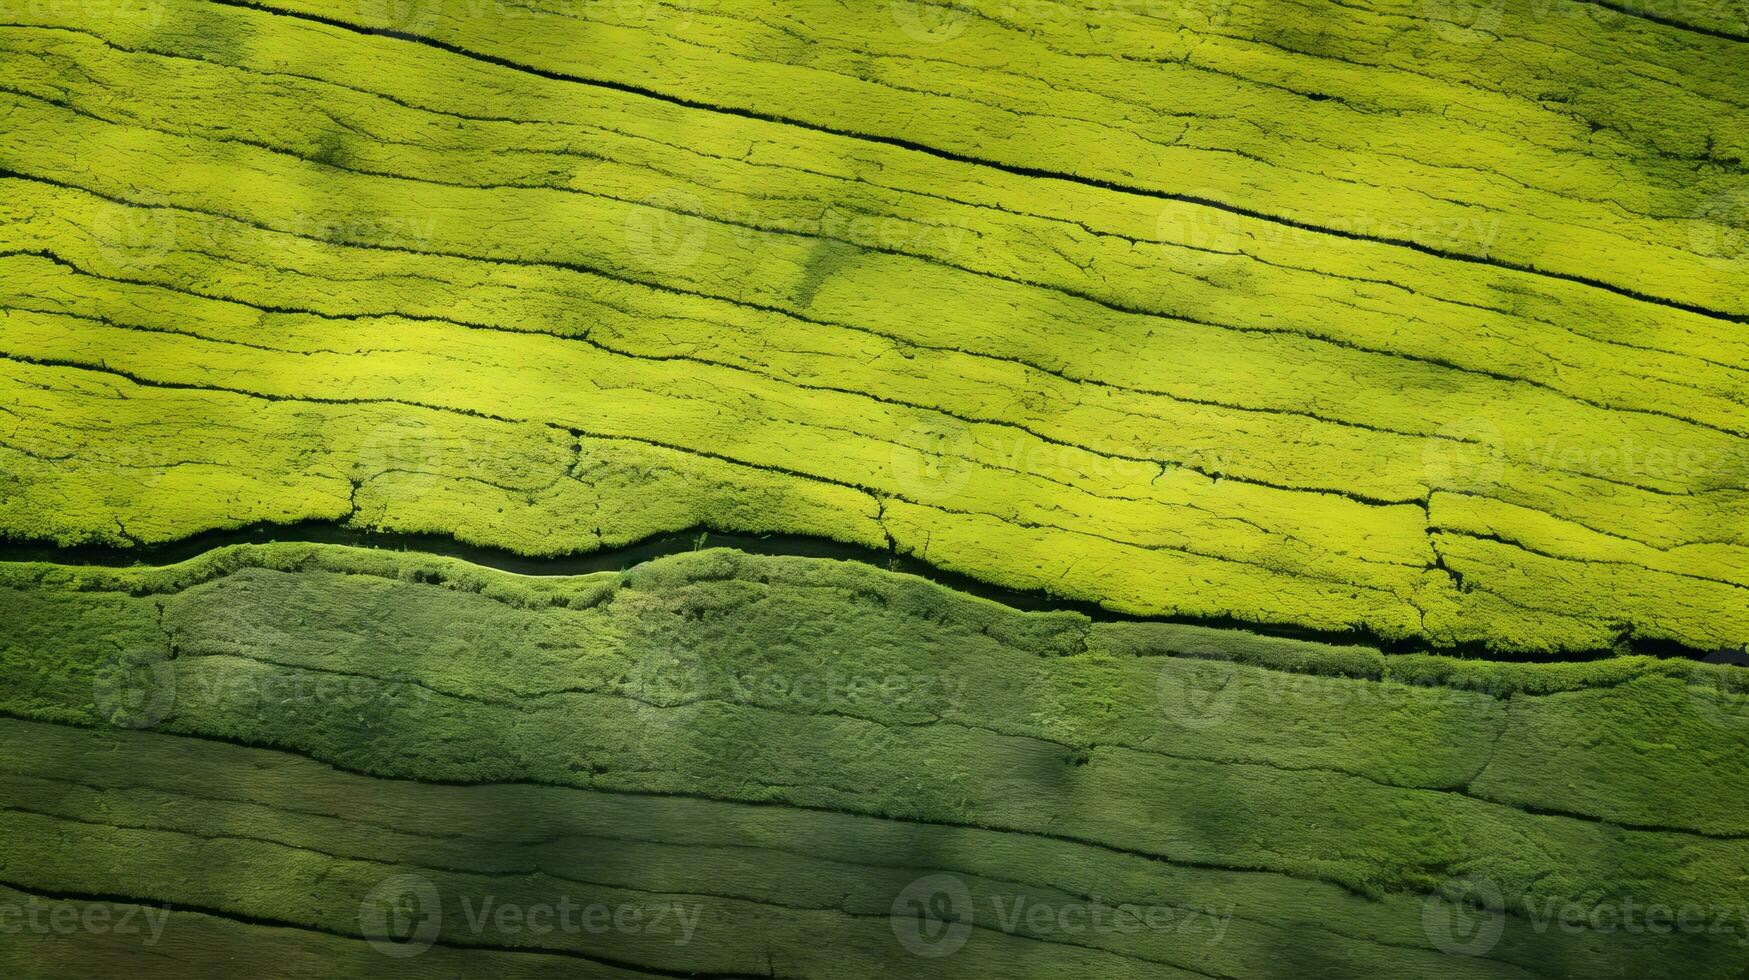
(781, 747)
(1208, 488)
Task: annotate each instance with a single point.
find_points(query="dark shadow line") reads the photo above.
(617, 559)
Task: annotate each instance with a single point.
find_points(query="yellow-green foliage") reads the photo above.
(271, 270)
(1397, 320)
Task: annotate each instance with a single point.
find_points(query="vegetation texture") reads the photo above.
(1176, 316)
(1361, 385)
(781, 745)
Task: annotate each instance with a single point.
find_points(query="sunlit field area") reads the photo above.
(876, 488)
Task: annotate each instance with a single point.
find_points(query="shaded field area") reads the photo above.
(769, 758)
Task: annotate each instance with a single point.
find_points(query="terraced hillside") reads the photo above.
(1213, 488)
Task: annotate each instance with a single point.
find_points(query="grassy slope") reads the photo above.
(1321, 792)
(695, 317)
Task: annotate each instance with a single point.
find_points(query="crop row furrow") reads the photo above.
(1098, 290)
